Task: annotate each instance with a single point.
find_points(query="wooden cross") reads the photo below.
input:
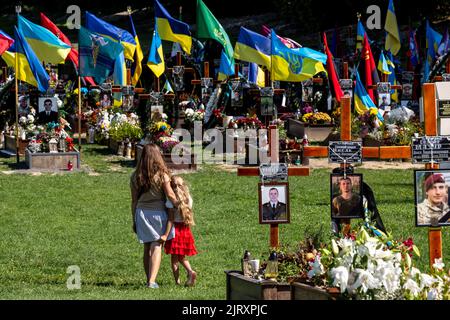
(171, 70)
(254, 171)
(430, 116)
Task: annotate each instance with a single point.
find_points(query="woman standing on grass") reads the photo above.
(150, 186)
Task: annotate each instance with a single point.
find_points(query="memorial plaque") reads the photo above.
(345, 152)
(273, 171)
(431, 149)
(444, 108)
(128, 90)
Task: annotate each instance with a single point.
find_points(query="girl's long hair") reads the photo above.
(182, 193)
(150, 169)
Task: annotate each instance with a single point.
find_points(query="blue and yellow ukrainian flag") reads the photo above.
(30, 69)
(171, 29)
(120, 71)
(156, 57)
(289, 65)
(392, 78)
(256, 75)
(44, 43)
(382, 64)
(226, 67)
(362, 100)
(104, 28)
(136, 68)
(252, 47)
(360, 32)
(433, 40)
(392, 33)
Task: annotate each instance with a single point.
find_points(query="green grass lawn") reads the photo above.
(52, 221)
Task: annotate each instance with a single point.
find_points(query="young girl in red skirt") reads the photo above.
(183, 244)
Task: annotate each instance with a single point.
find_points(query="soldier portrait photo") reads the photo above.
(274, 203)
(431, 191)
(346, 199)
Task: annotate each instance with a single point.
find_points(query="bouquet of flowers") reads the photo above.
(191, 115)
(367, 264)
(125, 126)
(316, 118)
(160, 127)
(167, 143)
(246, 123)
(27, 126)
(103, 125)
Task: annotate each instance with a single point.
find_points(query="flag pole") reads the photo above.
(79, 113)
(16, 65)
(17, 107)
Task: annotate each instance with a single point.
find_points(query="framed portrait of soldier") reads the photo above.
(237, 93)
(431, 197)
(383, 87)
(274, 203)
(346, 196)
(407, 89)
(48, 110)
(384, 100)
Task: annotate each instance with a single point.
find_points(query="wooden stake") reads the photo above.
(429, 113)
(236, 70)
(128, 77)
(435, 244)
(157, 84)
(274, 233)
(429, 109)
(345, 70)
(206, 69)
(346, 119)
(79, 114)
(178, 58)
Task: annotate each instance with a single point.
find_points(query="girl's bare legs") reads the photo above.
(192, 275)
(155, 260)
(147, 260)
(175, 268)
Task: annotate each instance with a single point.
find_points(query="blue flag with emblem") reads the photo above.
(97, 55)
(106, 29)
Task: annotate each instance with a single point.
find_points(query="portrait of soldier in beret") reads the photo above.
(434, 208)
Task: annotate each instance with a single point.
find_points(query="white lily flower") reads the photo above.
(438, 264)
(365, 280)
(426, 280)
(412, 286)
(334, 247)
(347, 245)
(340, 276)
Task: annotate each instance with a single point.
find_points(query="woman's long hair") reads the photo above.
(150, 169)
(182, 193)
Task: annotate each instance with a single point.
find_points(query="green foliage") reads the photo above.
(125, 130)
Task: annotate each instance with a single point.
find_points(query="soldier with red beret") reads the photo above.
(435, 205)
